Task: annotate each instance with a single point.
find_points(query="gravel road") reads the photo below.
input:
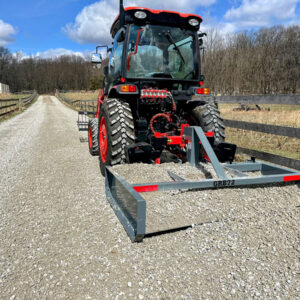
(59, 238)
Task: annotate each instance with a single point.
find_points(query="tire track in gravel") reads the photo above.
(59, 238)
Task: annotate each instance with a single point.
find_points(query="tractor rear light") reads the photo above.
(140, 14)
(193, 22)
(203, 91)
(128, 88)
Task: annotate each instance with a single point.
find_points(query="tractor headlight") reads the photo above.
(140, 14)
(193, 22)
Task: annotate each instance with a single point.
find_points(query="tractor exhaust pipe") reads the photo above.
(122, 14)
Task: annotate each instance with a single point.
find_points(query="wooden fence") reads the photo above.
(8, 106)
(269, 129)
(80, 105)
(293, 99)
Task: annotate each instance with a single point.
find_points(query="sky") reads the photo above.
(50, 28)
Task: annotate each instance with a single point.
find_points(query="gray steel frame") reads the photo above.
(86, 111)
(130, 206)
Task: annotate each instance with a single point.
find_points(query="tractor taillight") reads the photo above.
(203, 91)
(126, 88)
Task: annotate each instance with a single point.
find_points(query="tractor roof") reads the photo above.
(158, 17)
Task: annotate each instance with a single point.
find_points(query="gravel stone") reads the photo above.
(60, 239)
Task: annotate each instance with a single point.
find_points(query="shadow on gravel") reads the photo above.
(173, 230)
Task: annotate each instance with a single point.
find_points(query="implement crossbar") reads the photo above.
(130, 207)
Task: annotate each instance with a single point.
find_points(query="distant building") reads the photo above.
(4, 88)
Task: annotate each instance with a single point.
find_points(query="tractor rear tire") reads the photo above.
(209, 118)
(116, 131)
(93, 136)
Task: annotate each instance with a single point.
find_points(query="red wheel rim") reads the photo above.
(103, 139)
(90, 138)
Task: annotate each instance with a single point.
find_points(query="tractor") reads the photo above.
(153, 88)
(154, 108)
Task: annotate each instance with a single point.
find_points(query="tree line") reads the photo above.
(257, 62)
(266, 61)
(46, 75)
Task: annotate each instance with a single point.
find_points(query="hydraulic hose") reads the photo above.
(160, 115)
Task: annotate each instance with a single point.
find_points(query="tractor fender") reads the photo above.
(100, 98)
(203, 99)
(113, 92)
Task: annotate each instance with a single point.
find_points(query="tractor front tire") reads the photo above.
(116, 131)
(93, 136)
(209, 118)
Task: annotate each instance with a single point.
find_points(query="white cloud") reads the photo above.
(257, 13)
(92, 24)
(54, 53)
(223, 28)
(6, 32)
(51, 54)
(227, 28)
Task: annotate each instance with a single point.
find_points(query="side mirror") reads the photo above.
(200, 36)
(96, 58)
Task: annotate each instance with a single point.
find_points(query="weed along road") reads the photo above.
(60, 239)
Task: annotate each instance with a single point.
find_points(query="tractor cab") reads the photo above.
(153, 90)
(154, 48)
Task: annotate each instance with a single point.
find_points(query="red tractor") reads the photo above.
(153, 89)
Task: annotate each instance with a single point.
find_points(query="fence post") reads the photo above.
(20, 104)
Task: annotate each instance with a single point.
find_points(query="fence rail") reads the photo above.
(273, 158)
(277, 159)
(86, 109)
(8, 106)
(270, 129)
(265, 128)
(81, 105)
(293, 99)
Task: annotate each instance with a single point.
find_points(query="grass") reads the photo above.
(81, 96)
(6, 96)
(282, 115)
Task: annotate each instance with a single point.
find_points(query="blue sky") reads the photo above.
(50, 28)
